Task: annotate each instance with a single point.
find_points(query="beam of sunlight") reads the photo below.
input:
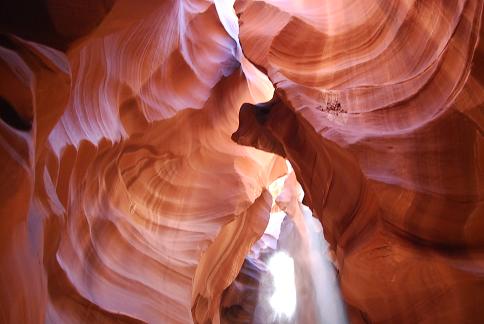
(295, 241)
(328, 296)
(283, 301)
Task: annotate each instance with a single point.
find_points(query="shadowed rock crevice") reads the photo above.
(10, 116)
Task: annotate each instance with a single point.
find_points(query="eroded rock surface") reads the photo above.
(124, 197)
(119, 175)
(382, 118)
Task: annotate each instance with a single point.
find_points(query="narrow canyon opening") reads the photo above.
(297, 280)
(292, 254)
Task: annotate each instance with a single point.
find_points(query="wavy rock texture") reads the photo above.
(118, 171)
(124, 198)
(381, 116)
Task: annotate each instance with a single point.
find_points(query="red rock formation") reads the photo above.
(381, 118)
(124, 198)
(119, 171)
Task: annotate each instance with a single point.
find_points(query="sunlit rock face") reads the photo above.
(379, 108)
(125, 197)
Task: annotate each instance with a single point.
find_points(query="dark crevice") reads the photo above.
(10, 116)
(7, 42)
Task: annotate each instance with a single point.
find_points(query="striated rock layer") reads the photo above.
(381, 116)
(124, 197)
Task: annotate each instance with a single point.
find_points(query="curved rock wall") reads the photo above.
(119, 171)
(381, 116)
(125, 199)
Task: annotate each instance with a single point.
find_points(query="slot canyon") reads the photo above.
(242, 161)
